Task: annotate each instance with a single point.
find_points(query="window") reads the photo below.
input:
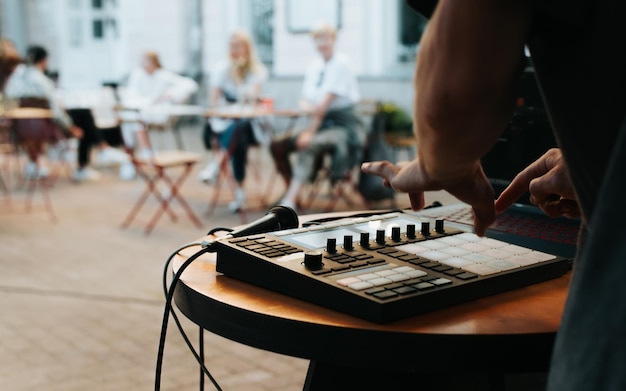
(301, 14)
(411, 28)
(98, 29)
(262, 22)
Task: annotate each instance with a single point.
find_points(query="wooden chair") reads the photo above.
(158, 170)
(26, 127)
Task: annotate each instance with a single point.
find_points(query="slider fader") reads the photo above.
(384, 267)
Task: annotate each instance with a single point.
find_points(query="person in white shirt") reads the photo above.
(330, 93)
(237, 81)
(149, 91)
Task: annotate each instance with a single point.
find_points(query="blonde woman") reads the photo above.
(238, 79)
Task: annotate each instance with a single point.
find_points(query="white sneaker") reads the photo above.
(111, 156)
(210, 173)
(33, 171)
(86, 174)
(127, 171)
(57, 152)
(239, 202)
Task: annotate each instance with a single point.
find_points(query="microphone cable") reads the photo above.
(169, 296)
(207, 246)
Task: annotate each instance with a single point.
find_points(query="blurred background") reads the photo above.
(98, 41)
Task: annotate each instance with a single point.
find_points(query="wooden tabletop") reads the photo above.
(514, 329)
(230, 112)
(166, 108)
(27, 113)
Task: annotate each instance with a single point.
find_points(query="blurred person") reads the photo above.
(149, 91)
(237, 80)
(9, 60)
(93, 138)
(330, 93)
(32, 88)
(469, 63)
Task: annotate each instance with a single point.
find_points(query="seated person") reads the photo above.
(239, 79)
(94, 137)
(149, 90)
(330, 93)
(32, 88)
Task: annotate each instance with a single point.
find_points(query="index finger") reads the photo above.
(383, 169)
(519, 185)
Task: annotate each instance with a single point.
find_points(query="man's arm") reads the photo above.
(317, 115)
(467, 73)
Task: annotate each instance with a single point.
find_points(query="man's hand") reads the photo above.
(304, 139)
(549, 184)
(470, 186)
(76, 131)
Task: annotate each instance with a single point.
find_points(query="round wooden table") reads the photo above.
(505, 333)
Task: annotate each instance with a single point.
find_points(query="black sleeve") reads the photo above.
(424, 7)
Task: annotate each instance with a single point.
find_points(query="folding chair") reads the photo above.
(155, 171)
(28, 124)
(345, 189)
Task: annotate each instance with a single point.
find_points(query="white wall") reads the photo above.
(85, 62)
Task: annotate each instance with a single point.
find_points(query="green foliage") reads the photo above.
(395, 119)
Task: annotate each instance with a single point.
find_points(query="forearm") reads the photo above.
(466, 78)
(319, 112)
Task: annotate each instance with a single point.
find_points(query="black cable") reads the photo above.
(218, 229)
(169, 294)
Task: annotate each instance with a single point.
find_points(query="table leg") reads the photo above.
(177, 134)
(201, 354)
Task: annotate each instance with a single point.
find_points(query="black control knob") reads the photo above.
(425, 229)
(395, 234)
(313, 260)
(380, 236)
(410, 231)
(365, 239)
(439, 226)
(347, 243)
(331, 245)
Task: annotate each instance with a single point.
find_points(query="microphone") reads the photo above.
(277, 218)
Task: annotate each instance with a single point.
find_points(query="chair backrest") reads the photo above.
(29, 129)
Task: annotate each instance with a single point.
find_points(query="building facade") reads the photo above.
(96, 41)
